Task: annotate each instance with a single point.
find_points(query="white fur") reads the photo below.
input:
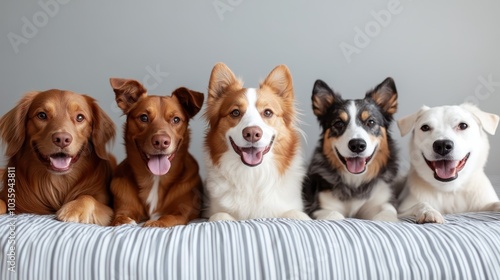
(238, 192)
(376, 207)
(425, 197)
(152, 199)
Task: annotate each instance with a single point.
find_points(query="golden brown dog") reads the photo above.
(159, 180)
(56, 142)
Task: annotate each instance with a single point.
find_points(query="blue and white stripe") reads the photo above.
(466, 247)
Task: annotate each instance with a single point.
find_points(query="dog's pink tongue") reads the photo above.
(252, 156)
(61, 163)
(356, 165)
(446, 169)
(159, 164)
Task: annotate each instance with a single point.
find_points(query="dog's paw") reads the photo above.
(296, 215)
(86, 210)
(123, 220)
(386, 217)
(430, 216)
(221, 216)
(495, 207)
(328, 215)
(166, 221)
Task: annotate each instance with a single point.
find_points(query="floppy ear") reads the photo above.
(190, 100)
(386, 96)
(322, 98)
(127, 92)
(406, 124)
(221, 80)
(103, 129)
(13, 124)
(487, 121)
(280, 80)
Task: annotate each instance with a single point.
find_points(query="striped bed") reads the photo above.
(466, 247)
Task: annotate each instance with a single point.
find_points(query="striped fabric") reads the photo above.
(466, 247)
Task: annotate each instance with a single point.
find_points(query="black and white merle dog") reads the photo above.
(355, 164)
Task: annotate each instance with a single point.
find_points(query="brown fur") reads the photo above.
(226, 93)
(73, 195)
(179, 190)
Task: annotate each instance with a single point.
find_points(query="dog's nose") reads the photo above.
(62, 139)
(443, 147)
(252, 133)
(160, 141)
(357, 145)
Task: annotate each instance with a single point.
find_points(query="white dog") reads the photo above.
(448, 151)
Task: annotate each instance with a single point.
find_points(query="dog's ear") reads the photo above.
(190, 100)
(222, 79)
(406, 124)
(13, 124)
(127, 92)
(103, 129)
(385, 95)
(487, 121)
(280, 80)
(322, 98)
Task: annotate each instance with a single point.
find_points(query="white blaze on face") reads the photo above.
(356, 162)
(251, 153)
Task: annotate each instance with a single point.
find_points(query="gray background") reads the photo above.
(438, 52)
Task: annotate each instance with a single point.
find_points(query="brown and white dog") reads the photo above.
(449, 148)
(253, 158)
(159, 180)
(55, 139)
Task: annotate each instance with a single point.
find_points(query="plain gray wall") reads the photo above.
(438, 52)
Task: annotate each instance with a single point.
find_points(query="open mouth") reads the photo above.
(446, 170)
(158, 164)
(58, 162)
(251, 156)
(355, 165)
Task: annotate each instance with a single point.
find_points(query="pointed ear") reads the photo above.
(190, 100)
(280, 80)
(487, 121)
(222, 79)
(103, 129)
(322, 98)
(13, 124)
(407, 123)
(386, 96)
(127, 92)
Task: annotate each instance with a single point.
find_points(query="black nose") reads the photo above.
(443, 147)
(357, 145)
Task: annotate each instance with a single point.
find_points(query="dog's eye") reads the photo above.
(268, 113)
(371, 123)
(144, 118)
(80, 118)
(463, 126)
(425, 127)
(176, 120)
(338, 125)
(41, 116)
(235, 113)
